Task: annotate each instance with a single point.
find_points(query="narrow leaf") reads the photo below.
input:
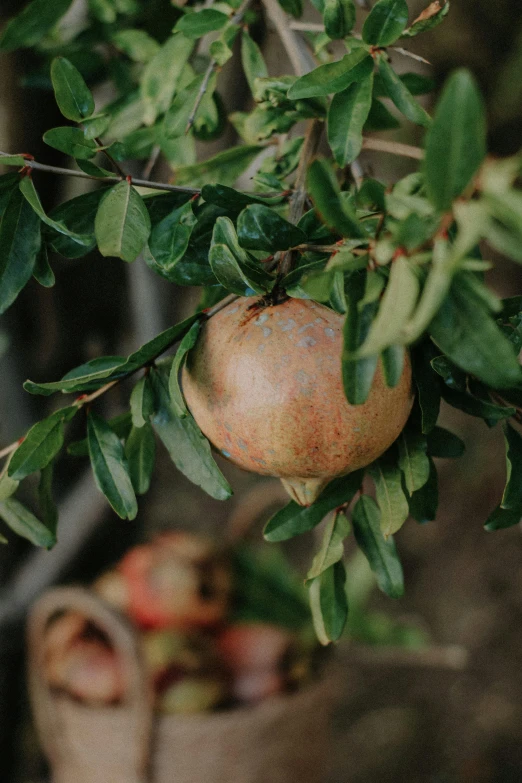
(176, 395)
(424, 502)
(194, 25)
(347, 115)
(161, 76)
(28, 190)
(333, 77)
(72, 95)
(41, 444)
(19, 246)
(332, 547)
(391, 499)
(386, 22)
(33, 23)
(401, 96)
(381, 553)
(140, 451)
(24, 523)
(413, 460)
(47, 506)
(325, 193)
(110, 468)
(329, 603)
(512, 496)
(252, 60)
(141, 402)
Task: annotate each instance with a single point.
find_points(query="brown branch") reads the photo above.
(393, 148)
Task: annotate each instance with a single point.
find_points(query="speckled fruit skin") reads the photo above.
(265, 386)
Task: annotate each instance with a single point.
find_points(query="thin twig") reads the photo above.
(393, 147)
(212, 66)
(111, 159)
(407, 53)
(306, 27)
(453, 657)
(153, 159)
(308, 150)
(298, 55)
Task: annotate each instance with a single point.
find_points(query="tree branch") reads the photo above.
(393, 148)
(302, 62)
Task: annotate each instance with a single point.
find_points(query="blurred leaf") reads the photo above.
(188, 448)
(512, 496)
(78, 215)
(401, 96)
(467, 334)
(326, 196)
(456, 141)
(473, 406)
(136, 44)
(71, 141)
(293, 519)
(140, 451)
(41, 444)
(347, 114)
(293, 7)
(332, 547)
(12, 160)
(42, 271)
(431, 17)
(141, 402)
(178, 114)
(452, 376)
(339, 17)
(261, 228)
(28, 191)
(110, 467)
(380, 118)
(252, 60)
(122, 224)
(8, 486)
(72, 95)
(413, 460)
(392, 359)
(385, 22)
(424, 502)
(333, 77)
(32, 23)
(381, 553)
(19, 246)
(199, 23)
(25, 524)
(502, 518)
(391, 499)
(47, 506)
(225, 167)
(161, 76)
(329, 603)
(176, 395)
(442, 443)
(169, 239)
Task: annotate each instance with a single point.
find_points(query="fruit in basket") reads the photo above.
(80, 663)
(190, 695)
(258, 655)
(177, 581)
(264, 384)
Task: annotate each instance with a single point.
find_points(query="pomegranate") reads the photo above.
(264, 384)
(177, 581)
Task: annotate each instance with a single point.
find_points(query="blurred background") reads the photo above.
(443, 704)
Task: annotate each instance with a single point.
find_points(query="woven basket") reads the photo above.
(281, 740)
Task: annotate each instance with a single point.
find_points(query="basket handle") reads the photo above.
(124, 641)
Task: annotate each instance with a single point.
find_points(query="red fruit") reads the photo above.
(175, 582)
(264, 384)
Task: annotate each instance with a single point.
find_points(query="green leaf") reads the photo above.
(196, 24)
(33, 23)
(512, 496)
(110, 468)
(391, 499)
(386, 22)
(161, 76)
(347, 114)
(41, 444)
(473, 406)
(381, 553)
(42, 271)
(326, 195)
(141, 402)
(400, 95)
(423, 503)
(170, 238)
(451, 375)
(28, 191)
(396, 308)
(72, 95)
(177, 117)
(456, 141)
(140, 451)
(392, 359)
(444, 444)
(428, 388)
(332, 547)
(502, 518)
(413, 460)
(19, 246)
(13, 160)
(329, 603)
(467, 334)
(358, 372)
(136, 44)
(71, 141)
(293, 519)
(431, 17)
(47, 506)
(188, 342)
(225, 167)
(235, 200)
(188, 448)
(122, 224)
(25, 524)
(261, 228)
(333, 77)
(252, 60)
(78, 215)
(8, 486)
(339, 17)
(121, 425)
